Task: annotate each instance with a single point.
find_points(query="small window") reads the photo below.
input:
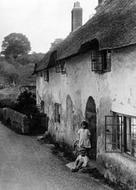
(42, 106)
(120, 134)
(46, 75)
(101, 61)
(61, 68)
(57, 112)
(58, 68)
(113, 133)
(41, 74)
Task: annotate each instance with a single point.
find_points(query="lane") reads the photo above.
(27, 165)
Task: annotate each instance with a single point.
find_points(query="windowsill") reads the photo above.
(123, 158)
(101, 71)
(127, 155)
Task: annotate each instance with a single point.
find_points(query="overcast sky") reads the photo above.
(42, 21)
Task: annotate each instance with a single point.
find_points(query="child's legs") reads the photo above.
(79, 164)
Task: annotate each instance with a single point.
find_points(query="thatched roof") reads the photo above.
(114, 26)
(43, 63)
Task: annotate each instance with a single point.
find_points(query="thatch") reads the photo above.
(114, 26)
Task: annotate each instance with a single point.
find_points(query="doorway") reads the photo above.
(90, 115)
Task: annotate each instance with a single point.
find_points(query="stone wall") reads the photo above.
(17, 121)
(118, 168)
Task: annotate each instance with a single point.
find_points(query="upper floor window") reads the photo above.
(46, 75)
(120, 134)
(57, 112)
(41, 74)
(42, 106)
(101, 61)
(61, 67)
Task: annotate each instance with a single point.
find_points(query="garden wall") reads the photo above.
(17, 121)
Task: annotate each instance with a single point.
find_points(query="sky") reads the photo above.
(42, 21)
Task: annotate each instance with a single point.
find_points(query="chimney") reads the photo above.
(76, 15)
(100, 1)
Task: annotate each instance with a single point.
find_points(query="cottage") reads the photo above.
(92, 75)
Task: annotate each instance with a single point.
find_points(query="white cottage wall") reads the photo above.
(111, 91)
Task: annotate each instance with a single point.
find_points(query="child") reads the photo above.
(81, 161)
(84, 137)
(44, 137)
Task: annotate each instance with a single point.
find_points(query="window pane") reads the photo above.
(108, 60)
(113, 132)
(57, 112)
(128, 135)
(133, 136)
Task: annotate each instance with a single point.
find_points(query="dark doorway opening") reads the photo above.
(90, 115)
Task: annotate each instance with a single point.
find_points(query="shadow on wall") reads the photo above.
(104, 110)
(73, 119)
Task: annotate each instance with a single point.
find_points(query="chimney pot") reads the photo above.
(100, 1)
(77, 5)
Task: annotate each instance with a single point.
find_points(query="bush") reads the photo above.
(7, 103)
(26, 103)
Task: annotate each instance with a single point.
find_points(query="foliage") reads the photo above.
(26, 103)
(12, 78)
(7, 103)
(30, 58)
(9, 72)
(16, 74)
(14, 45)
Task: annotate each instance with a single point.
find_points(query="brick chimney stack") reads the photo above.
(76, 15)
(100, 1)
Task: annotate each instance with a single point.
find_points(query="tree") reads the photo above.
(30, 58)
(14, 45)
(12, 78)
(9, 72)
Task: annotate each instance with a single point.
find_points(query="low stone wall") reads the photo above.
(118, 168)
(17, 121)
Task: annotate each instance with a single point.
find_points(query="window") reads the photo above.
(61, 68)
(58, 68)
(42, 106)
(41, 74)
(120, 134)
(113, 132)
(46, 75)
(57, 112)
(101, 61)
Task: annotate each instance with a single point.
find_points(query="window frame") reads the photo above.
(46, 75)
(61, 67)
(57, 112)
(41, 74)
(58, 68)
(126, 124)
(101, 61)
(118, 149)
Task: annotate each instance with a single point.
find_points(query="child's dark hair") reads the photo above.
(85, 123)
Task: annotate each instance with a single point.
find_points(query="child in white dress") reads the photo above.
(84, 137)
